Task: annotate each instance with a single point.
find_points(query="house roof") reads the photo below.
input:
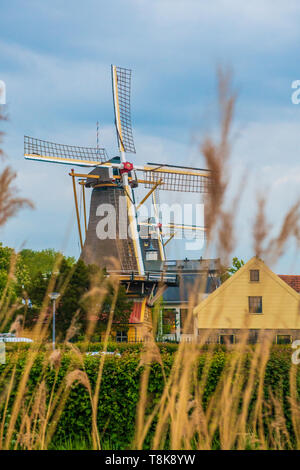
(292, 280)
(187, 283)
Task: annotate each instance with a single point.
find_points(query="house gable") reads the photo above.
(227, 306)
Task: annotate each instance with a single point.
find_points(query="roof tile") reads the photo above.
(292, 280)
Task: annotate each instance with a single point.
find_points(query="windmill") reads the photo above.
(113, 182)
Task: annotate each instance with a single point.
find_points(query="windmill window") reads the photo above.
(151, 256)
(254, 275)
(255, 304)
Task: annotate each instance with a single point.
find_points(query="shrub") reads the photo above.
(120, 389)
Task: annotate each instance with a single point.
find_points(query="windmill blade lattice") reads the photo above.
(70, 154)
(123, 91)
(189, 180)
(184, 231)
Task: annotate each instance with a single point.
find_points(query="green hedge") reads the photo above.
(120, 389)
(85, 346)
(118, 397)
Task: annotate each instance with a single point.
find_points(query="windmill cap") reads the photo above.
(127, 166)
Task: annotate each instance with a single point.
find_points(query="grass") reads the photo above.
(236, 415)
(80, 444)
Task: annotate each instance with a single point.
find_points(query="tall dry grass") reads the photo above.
(180, 413)
(180, 419)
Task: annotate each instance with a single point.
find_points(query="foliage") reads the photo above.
(14, 274)
(236, 265)
(227, 271)
(122, 309)
(42, 262)
(26, 274)
(120, 389)
(69, 304)
(25, 278)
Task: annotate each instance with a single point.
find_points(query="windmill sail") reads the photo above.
(41, 150)
(175, 178)
(121, 82)
(182, 229)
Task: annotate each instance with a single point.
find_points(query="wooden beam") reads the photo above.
(160, 290)
(169, 239)
(76, 208)
(149, 194)
(84, 208)
(81, 175)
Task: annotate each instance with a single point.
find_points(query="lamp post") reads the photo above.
(53, 296)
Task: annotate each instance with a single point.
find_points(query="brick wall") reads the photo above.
(212, 336)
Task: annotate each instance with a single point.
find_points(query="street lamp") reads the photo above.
(53, 296)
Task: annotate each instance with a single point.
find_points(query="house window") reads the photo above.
(283, 339)
(255, 304)
(121, 337)
(169, 321)
(227, 339)
(254, 275)
(253, 337)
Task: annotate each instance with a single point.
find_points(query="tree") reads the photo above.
(70, 302)
(37, 289)
(227, 272)
(35, 295)
(76, 282)
(5, 264)
(89, 293)
(122, 311)
(13, 273)
(42, 261)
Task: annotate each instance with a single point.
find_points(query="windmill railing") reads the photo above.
(169, 278)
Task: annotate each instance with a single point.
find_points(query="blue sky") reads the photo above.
(55, 60)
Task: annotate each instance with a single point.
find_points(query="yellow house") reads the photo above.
(255, 300)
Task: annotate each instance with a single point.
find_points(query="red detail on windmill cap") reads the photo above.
(127, 167)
